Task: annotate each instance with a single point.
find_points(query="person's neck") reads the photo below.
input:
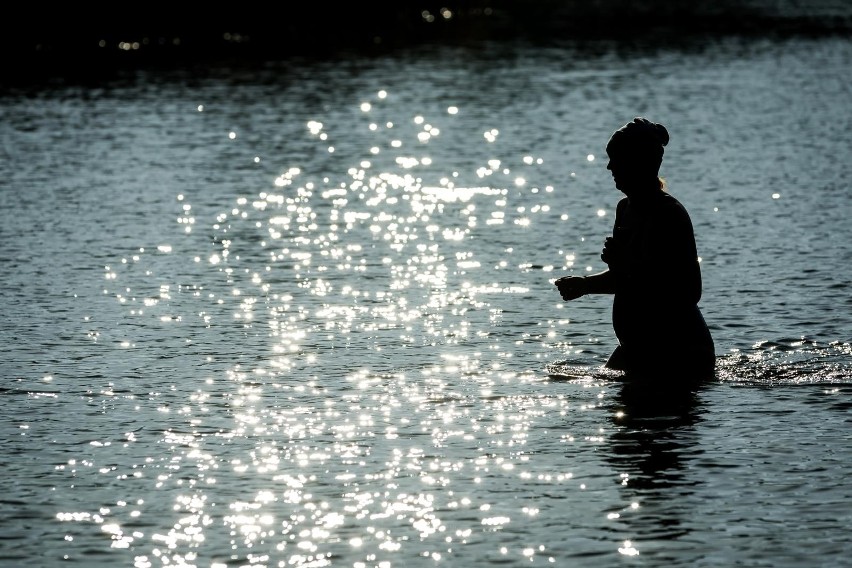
(645, 192)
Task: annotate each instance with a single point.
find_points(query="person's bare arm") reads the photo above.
(572, 287)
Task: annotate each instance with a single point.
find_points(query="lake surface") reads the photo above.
(301, 313)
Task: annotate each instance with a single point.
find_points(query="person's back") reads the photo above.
(655, 311)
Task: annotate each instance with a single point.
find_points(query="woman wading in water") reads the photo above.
(653, 267)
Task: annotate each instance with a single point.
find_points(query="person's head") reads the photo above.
(635, 153)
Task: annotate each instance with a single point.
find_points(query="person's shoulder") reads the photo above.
(674, 213)
(672, 204)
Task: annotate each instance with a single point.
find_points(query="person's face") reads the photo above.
(623, 170)
(629, 169)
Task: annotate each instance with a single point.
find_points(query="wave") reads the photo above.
(788, 362)
(767, 363)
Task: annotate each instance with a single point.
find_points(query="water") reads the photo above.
(229, 345)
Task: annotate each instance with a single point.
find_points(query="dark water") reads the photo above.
(301, 313)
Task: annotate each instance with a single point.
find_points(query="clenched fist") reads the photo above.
(571, 287)
(613, 252)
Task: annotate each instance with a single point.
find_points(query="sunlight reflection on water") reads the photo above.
(378, 261)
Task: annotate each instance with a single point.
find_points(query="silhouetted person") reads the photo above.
(653, 267)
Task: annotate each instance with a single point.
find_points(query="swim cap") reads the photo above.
(643, 137)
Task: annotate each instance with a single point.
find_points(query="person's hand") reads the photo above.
(571, 287)
(611, 253)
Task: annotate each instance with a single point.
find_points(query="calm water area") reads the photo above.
(301, 313)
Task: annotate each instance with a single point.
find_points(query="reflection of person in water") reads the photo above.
(655, 449)
(654, 433)
(653, 268)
